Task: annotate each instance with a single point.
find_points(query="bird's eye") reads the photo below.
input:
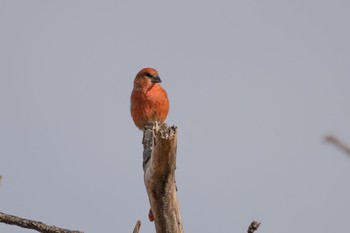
(148, 75)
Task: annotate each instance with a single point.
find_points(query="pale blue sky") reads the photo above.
(253, 86)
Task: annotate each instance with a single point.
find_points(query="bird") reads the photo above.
(149, 101)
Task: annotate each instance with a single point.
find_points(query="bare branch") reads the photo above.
(31, 224)
(159, 177)
(253, 226)
(338, 143)
(137, 227)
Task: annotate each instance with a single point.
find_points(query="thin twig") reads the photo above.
(137, 227)
(338, 143)
(253, 226)
(31, 224)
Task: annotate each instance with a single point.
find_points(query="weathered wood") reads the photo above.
(137, 227)
(159, 177)
(338, 143)
(31, 224)
(253, 226)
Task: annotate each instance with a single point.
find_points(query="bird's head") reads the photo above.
(146, 79)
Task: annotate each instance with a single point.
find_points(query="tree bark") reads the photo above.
(159, 176)
(31, 224)
(338, 143)
(253, 226)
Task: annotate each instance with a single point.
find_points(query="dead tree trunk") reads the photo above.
(159, 164)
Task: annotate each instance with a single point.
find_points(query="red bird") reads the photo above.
(149, 101)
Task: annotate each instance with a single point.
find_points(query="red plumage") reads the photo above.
(149, 101)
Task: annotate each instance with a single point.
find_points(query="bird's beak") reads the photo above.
(156, 79)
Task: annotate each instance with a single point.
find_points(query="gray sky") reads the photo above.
(253, 85)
